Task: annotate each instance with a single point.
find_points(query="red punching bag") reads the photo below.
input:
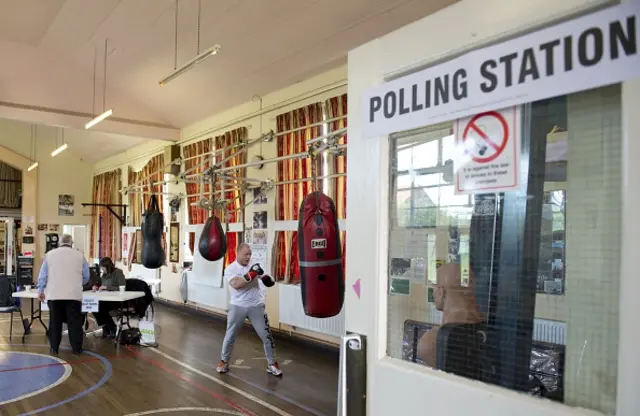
(213, 242)
(320, 257)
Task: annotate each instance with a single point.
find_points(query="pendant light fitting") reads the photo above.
(62, 147)
(200, 57)
(32, 153)
(105, 113)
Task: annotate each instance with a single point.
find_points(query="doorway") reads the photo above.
(79, 234)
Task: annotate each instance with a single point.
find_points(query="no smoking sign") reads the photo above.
(488, 147)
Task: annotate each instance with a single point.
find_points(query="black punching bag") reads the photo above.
(153, 255)
(213, 242)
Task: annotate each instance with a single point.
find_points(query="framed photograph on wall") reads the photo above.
(174, 242)
(65, 205)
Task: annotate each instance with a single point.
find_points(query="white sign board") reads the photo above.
(598, 49)
(89, 304)
(259, 255)
(488, 152)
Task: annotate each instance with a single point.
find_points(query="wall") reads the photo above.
(63, 174)
(258, 116)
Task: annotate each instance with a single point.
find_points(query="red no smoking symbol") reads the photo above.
(489, 143)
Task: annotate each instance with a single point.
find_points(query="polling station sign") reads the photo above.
(587, 52)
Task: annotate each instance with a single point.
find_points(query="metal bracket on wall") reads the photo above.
(110, 208)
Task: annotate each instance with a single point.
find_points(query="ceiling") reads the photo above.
(266, 46)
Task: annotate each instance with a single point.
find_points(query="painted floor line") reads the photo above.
(60, 380)
(222, 383)
(187, 409)
(192, 382)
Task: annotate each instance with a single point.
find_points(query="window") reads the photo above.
(518, 289)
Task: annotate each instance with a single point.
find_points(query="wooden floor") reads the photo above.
(176, 378)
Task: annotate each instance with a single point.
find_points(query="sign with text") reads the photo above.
(584, 53)
(488, 151)
(89, 304)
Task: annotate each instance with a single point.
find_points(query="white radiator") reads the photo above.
(292, 313)
(544, 330)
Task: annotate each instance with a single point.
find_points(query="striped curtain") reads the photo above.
(229, 144)
(198, 159)
(10, 186)
(106, 229)
(151, 176)
(289, 196)
(337, 107)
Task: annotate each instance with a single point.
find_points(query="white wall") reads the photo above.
(258, 118)
(64, 174)
(461, 27)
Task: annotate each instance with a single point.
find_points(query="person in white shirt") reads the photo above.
(63, 273)
(247, 287)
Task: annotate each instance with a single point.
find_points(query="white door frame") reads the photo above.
(398, 387)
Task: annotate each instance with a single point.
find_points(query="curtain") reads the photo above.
(106, 229)
(10, 186)
(151, 176)
(228, 145)
(289, 196)
(337, 107)
(198, 157)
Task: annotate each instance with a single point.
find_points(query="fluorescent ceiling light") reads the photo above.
(195, 61)
(59, 150)
(32, 167)
(98, 119)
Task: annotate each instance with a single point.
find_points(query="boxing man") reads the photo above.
(457, 304)
(247, 288)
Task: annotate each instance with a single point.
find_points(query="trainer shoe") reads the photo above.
(222, 367)
(274, 369)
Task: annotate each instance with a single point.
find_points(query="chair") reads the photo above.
(7, 303)
(136, 308)
(465, 350)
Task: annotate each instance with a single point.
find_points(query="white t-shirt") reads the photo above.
(251, 295)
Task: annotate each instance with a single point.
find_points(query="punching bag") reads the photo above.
(153, 254)
(213, 242)
(320, 257)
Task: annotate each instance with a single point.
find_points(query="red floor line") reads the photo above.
(193, 383)
(86, 360)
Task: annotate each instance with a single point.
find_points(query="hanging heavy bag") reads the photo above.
(320, 257)
(213, 242)
(153, 255)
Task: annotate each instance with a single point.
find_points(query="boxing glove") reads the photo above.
(267, 280)
(254, 271)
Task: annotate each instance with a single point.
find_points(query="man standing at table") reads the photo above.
(63, 273)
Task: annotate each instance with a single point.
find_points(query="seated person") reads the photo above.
(457, 304)
(112, 278)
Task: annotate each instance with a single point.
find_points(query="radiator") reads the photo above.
(291, 313)
(544, 330)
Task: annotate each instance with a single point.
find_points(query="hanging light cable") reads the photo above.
(32, 153)
(62, 147)
(105, 113)
(195, 61)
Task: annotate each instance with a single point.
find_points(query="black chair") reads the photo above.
(466, 350)
(136, 308)
(7, 303)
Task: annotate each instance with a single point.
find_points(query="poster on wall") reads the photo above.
(260, 237)
(65, 205)
(28, 230)
(260, 220)
(174, 242)
(43, 227)
(54, 227)
(259, 255)
(259, 197)
(248, 235)
(125, 244)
